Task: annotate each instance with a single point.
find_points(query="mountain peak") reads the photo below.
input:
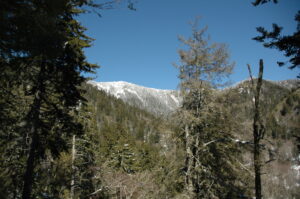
(162, 102)
(157, 101)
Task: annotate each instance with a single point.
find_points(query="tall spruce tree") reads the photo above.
(210, 163)
(43, 44)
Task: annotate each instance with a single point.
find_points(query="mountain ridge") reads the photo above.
(162, 101)
(156, 101)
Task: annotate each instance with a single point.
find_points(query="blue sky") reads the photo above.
(140, 46)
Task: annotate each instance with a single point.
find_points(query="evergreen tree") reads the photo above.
(210, 166)
(71, 175)
(44, 44)
(84, 156)
(289, 44)
(12, 144)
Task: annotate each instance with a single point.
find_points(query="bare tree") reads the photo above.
(258, 129)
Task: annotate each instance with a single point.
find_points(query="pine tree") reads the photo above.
(289, 44)
(12, 108)
(44, 44)
(210, 166)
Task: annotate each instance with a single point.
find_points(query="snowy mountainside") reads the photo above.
(157, 101)
(164, 102)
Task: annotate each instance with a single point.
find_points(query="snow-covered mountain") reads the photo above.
(164, 102)
(157, 101)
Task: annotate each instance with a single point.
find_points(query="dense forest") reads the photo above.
(61, 137)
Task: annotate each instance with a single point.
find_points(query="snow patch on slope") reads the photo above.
(156, 101)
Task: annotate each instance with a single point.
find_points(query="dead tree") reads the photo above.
(258, 129)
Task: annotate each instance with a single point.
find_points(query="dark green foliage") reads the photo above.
(42, 42)
(283, 111)
(12, 145)
(84, 165)
(289, 44)
(53, 176)
(42, 61)
(42, 107)
(134, 121)
(260, 2)
(130, 148)
(125, 132)
(284, 121)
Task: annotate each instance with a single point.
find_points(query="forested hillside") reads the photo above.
(63, 136)
(121, 123)
(134, 152)
(156, 101)
(280, 110)
(128, 152)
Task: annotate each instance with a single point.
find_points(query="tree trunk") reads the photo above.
(257, 168)
(28, 177)
(257, 134)
(188, 161)
(73, 167)
(34, 120)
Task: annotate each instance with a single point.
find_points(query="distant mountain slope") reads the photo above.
(280, 112)
(290, 83)
(159, 102)
(164, 102)
(239, 99)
